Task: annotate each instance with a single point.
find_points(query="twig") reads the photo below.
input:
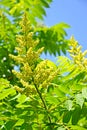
(40, 95)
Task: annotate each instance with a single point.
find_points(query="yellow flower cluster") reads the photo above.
(18, 59)
(32, 71)
(77, 55)
(51, 76)
(29, 89)
(32, 56)
(43, 74)
(17, 88)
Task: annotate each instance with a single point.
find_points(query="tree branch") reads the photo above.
(44, 104)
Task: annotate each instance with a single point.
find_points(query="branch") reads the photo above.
(44, 104)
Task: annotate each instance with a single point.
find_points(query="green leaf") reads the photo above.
(79, 76)
(21, 98)
(62, 25)
(51, 99)
(76, 115)
(26, 126)
(68, 104)
(84, 92)
(9, 124)
(6, 93)
(61, 128)
(53, 36)
(3, 84)
(45, 3)
(19, 122)
(50, 89)
(42, 10)
(67, 116)
(75, 127)
(58, 91)
(79, 99)
(64, 64)
(22, 106)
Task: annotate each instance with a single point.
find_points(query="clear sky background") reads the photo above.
(72, 12)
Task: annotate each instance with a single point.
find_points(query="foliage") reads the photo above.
(15, 8)
(53, 36)
(45, 96)
(11, 11)
(39, 94)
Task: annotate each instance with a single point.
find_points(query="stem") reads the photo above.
(44, 104)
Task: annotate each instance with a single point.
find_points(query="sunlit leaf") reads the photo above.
(19, 122)
(84, 92)
(79, 99)
(61, 128)
(68, 104)
(7, 92)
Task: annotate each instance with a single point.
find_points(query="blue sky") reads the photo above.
(72, 12)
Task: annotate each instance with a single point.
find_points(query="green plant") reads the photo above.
(10, 15)
(44, 96)
(39, 94)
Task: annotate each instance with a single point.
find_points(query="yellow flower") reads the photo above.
(77, 54)
(20, 90)
(33, 72)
